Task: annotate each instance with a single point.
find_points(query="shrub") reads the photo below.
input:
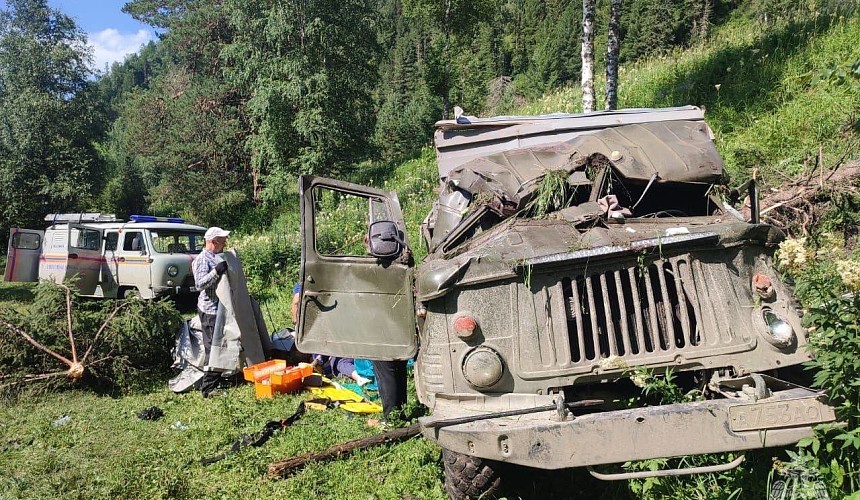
(828, 284)
(268, 259)
(834, 452)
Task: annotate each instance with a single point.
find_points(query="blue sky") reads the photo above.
(111, 33)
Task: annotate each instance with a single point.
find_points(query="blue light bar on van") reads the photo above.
(152, 218)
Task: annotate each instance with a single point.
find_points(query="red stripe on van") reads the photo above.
(10, 268)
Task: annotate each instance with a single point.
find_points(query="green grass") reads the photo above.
(105, 451)
(15, 294)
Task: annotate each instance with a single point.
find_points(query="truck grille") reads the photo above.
(682, 309)
(633, 311)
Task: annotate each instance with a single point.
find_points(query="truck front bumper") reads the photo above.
(543, 440)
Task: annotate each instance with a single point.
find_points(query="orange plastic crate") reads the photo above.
(291, 379)
(264, 389)
(262, 371)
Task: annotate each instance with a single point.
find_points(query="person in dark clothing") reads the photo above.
(391, 380)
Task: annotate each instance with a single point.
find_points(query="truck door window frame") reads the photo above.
(377, 207)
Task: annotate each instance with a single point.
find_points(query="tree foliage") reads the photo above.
(215, 120)
(181, 125)
(50, 118)
(308, 68)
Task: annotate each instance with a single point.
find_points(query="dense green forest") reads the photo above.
(216, 119)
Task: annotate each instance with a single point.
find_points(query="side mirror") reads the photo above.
(385, 240)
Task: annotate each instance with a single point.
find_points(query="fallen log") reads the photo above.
(287, 466)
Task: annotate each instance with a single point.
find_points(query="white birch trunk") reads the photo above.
(587, 56)
(612, 46)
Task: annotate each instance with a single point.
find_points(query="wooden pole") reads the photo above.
(286, 467)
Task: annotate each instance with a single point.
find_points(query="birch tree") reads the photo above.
(587, 56)
(612, 47)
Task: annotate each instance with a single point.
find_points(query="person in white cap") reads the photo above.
(208, 268)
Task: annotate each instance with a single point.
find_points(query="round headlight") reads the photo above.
(483, 367)
(780, 331)
(172, 270)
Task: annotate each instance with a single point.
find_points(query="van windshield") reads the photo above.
(166, 241)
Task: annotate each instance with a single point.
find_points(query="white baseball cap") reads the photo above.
(215, 232)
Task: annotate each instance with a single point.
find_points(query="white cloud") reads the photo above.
(111, 46)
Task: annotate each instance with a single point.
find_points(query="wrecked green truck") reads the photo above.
(567, 255)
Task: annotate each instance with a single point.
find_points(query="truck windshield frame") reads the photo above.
(176, 241)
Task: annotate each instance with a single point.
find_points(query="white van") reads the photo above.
(146, 256)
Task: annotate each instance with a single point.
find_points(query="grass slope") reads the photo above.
(758, 88)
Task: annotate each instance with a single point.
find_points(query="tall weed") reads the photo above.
(828, 282)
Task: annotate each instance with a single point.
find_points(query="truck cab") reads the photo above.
(103, 256)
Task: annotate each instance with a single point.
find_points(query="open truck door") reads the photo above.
(22, 255)
(356, 273)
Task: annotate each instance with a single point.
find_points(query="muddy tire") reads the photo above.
(469, 477)
(131, 293)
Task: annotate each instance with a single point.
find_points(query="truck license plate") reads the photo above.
(776, 414)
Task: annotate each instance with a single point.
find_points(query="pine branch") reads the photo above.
(102, 329)
(11, 327)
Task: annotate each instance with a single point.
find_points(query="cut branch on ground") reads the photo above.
(43, 342)
(290, 465)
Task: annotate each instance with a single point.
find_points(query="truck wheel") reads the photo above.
(130, 293)
(469, 477)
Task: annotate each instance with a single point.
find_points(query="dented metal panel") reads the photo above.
(542, 441)
(459, 142)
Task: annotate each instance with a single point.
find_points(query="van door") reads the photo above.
(352, 304)
(55, 253)
(133, 262)
(85, 259)
(108, 280)
(22, 256)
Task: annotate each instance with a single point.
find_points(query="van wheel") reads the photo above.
(469, 477)
(131, 293)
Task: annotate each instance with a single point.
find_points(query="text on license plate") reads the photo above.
(775, 414)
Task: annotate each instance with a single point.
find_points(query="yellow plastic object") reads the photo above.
(362, 407)
(353, 402)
